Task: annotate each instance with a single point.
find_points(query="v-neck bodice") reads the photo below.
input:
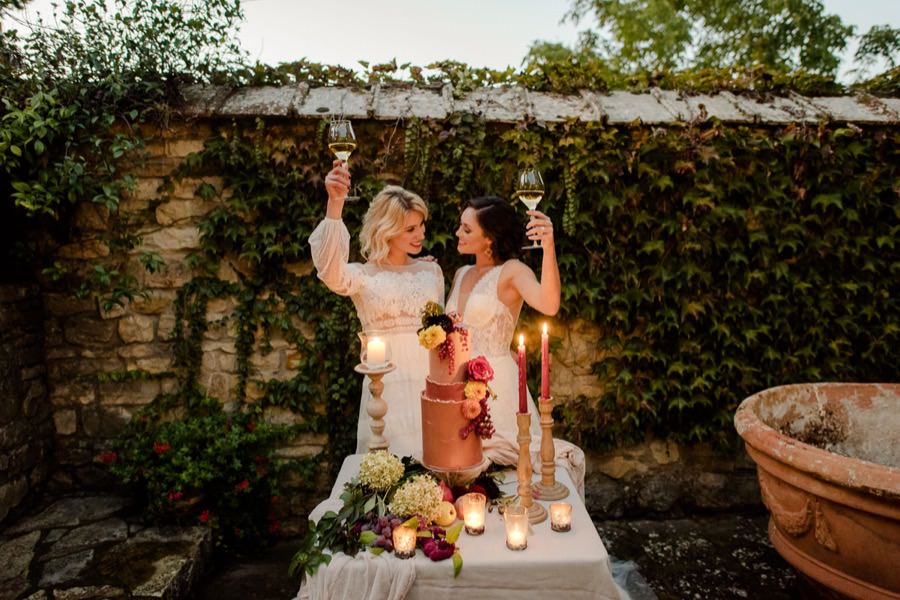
(490, 322)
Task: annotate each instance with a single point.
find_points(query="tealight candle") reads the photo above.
(376, 350)
(404, 541)
(560, 516)
(473, 505)
(516, 518)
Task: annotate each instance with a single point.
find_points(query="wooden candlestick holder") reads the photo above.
(548, 488)
(376, 407)
(536, 512)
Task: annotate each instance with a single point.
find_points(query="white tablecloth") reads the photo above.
(572, 565)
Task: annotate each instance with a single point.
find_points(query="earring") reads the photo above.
(489, 252)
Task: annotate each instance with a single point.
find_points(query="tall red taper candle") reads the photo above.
(523, 399)
(545, 364)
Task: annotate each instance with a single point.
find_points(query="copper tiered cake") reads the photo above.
(444, 448)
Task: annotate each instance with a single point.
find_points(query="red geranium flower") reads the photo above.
(274, 527)
(108, 457)
(242, 486)
(479, 369)
(205, 516)
(161, 447)
(175, 496)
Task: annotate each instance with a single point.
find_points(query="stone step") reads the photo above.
(83, 547)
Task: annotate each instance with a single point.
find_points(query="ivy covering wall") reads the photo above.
(717, 260)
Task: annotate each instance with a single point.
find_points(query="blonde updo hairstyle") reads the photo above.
(384, 220)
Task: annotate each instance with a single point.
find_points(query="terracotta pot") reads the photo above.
(828, 460)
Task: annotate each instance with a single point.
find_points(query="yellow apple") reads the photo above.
(446, 514)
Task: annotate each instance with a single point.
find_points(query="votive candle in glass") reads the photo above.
(375, 352)
(473, 505)
(560, 516)
(516, 518)
(404, 541)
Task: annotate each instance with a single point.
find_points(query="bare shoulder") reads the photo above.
(513, 268)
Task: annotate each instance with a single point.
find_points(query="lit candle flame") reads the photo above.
(521, 340)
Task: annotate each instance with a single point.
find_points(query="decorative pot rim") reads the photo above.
(854, 473)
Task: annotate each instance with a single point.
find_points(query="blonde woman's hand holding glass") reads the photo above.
(337, 184)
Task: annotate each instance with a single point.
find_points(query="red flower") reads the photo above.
(438, 549)
(480, 369)
(108, 457)
(274, 527)
(242, 486)
(261, 470)
(175, 496)
(205, 516)
(237, 531)
(161, 447)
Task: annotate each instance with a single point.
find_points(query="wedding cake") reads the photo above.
(448, 441)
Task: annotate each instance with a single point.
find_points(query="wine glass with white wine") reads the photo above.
(530, 190)
(342, 143)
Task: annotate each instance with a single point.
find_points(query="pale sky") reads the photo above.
(491, 33)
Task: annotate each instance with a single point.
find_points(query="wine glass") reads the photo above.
(342, 143)
(530, 190)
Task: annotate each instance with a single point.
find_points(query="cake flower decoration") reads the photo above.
(477, 392)
(436, 330)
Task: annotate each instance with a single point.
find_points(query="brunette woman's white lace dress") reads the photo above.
(388, 299)
(491, 329)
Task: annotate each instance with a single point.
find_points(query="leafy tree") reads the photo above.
(677, 34)
(881, 42)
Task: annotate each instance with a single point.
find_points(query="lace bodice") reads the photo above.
(491, 325)
(386, 297)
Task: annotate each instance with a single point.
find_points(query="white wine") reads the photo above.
(530, 198)
(342, 150)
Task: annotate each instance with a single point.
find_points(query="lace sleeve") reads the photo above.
(330, 245)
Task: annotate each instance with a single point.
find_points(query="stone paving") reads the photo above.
(716, 557)
(93, 547)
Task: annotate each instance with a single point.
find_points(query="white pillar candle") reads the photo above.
(375, 352)
(560, 516)
(404, 541)
(473, 512)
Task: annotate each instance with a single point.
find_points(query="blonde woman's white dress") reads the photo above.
(388, 299)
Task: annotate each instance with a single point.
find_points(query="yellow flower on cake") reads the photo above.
(380, 471)
(475, 390)
(432, 337)
(421, 495)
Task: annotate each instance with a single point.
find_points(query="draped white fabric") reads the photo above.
(572, 565)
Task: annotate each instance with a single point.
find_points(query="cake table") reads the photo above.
(573, 565)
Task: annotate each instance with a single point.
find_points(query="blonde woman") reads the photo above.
(388, 291)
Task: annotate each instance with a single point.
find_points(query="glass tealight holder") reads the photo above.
(404, 541)
(516, 518)
(473, 505)
(374, 349)
(561, 516)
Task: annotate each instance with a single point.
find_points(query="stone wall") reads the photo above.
(83, 340)
(26, 421)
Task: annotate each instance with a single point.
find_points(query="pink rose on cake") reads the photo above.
(479, 369)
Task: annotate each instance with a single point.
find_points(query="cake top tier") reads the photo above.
(447, 342)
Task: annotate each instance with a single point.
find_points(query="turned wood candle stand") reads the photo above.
(376, 407)
(548, 488)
